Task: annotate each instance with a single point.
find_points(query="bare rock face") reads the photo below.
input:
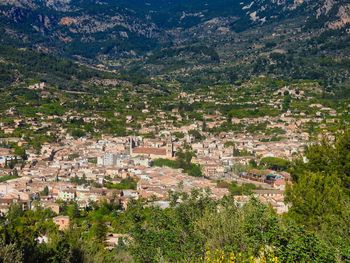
(325, 8)
(62, 5)
(337, 13)
(343, 18)
(59, 5)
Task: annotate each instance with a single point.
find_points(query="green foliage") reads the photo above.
(229, 144)
(275, 163)
(45, 192)
(286, 102)
(7, 177)
(78, 133)
(32, 64)
(196, 227)
(183, 161)
(165, 162)
(10, 253)
(79, 181)
(21, 152)
(128, 183)
(72, 210)
(196, 135)
(319, 196)
(328, 158)
(179, 135)
(316, 198)
(296, 244)
(244, 189)
(52, 109)
(252, 113)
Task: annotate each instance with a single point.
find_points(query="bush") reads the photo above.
(275, 163)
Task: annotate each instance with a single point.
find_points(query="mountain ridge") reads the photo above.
(156, 37)
(65, 18)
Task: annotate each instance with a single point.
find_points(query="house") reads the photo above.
(241, 200)
(67, 195)
(5, 204)
(275, 193)
(5, 156)
(279, 184)
(54, 207)
(113, 240)
(154, 152)
(62, 222)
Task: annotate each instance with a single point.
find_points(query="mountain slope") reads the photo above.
(127, 28)
(219, 41)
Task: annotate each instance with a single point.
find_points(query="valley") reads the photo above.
(174, 131)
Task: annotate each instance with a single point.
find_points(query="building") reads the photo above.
(5, 156)
(67, 195)
(62, 222)
(54, 207)
(5, 204)
(113, 240)
(108, 159)
(166, 150)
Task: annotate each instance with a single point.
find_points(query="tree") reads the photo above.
(316, 198)
(244, 189)
(196, 135)
(327, 157)
(15, 173)
(99, 230)
(275, 163)
(286, 102)
(296, 244)
(78, 133)
(10, 253)
(21, 152)
(73, 211)
(319, 196)
(46, 191)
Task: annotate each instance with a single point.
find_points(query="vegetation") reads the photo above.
(128, 183)
(236, 189)
(183, 161)
(33, 65)
(208, 74)
(277, 164)
(7, 177)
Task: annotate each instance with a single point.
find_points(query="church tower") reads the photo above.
(170, 148)
(131, 144)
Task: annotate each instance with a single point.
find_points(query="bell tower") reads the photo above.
(169, 148)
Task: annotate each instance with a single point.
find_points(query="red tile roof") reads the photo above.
(146, 150)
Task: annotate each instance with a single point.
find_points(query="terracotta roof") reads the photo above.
(146, 150)
(279, 182)
(5, 152)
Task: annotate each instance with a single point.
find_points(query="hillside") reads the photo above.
(217, 41)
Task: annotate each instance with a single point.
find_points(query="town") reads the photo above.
(163, 152)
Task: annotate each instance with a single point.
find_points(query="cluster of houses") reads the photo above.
(278, 180)
(79, 170)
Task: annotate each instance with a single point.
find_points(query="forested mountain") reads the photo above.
(124, 28)
(218, 41)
